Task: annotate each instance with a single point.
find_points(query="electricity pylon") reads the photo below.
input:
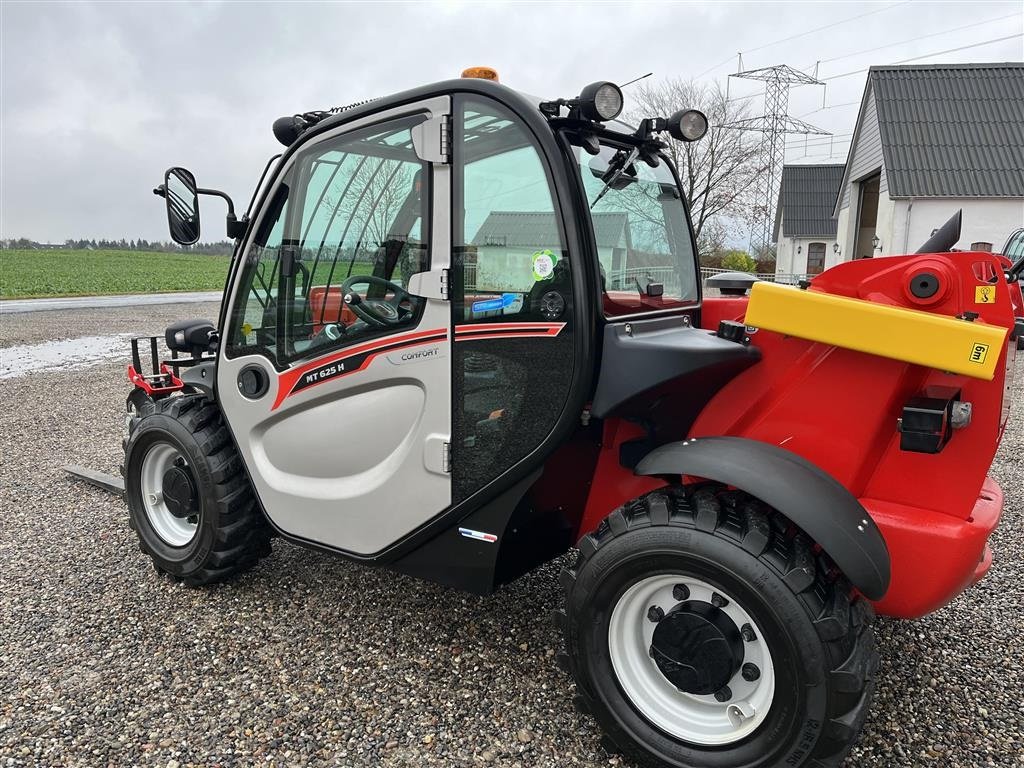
(774, 124)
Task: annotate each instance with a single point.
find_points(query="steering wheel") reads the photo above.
(379, 312)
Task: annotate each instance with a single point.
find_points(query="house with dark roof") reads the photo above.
(930, 140)
(805, 229)
(506, 241)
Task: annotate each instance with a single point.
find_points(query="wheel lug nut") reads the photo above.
(748, 633)
(723, 694)
(751, 672)
(718, 601)
(681, 592)
(152, 498)
(655, 614)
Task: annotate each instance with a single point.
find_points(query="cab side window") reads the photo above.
(253, 322)
(512, 297)
(513, 251)
(355, 230)
(1015, 247)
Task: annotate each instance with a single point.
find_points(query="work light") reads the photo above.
(687, 125)
(600, 101)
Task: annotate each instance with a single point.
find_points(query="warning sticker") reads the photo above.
(985, 294)
(978, 353)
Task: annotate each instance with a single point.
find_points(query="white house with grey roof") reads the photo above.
(506, 241)
(805, 230)
(930, 140)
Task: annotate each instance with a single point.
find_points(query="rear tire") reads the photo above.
(226, 532)
(813, 635)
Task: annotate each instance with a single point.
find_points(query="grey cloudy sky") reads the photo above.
(99, 98)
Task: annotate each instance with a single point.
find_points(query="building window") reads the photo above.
(815, 258)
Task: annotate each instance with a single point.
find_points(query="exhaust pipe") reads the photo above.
(945, 237)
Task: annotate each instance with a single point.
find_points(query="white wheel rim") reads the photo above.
(692, 718)
(175, 531)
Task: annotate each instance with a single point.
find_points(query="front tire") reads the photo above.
(189, 499)
(784, 668)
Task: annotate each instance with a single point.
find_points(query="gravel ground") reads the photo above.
(309, 660)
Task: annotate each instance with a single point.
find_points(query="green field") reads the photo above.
(30, 274)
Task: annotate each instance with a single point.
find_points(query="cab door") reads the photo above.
(517, 370)
(334, 373)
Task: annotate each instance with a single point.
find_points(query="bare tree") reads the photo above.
(720, 171)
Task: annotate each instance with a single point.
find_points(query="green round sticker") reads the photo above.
(543, 264)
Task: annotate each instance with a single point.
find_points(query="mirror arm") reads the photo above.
(218, 193)
(236, 228)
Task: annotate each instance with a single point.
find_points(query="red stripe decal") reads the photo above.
(287, 381)
(474, 327)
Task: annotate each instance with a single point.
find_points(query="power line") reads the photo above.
(818, 146)
(711, 69)
(830, 106)
(901, 42)
(827, 26)
(914, 39)
(801, 34)
(823, 154)
(893, 63)
(819, 142)
(928, 55)
(839, 151)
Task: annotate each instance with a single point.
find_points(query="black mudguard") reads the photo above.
(803, 492)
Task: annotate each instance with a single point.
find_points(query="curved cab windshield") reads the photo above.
(643, 239)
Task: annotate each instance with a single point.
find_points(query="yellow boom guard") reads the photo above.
(936, 341)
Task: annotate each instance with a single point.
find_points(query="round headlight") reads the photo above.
(688, 125)
(601, 101)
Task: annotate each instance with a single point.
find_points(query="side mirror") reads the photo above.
(179, 191)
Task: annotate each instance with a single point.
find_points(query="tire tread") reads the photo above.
(242, 536)
(842, 618)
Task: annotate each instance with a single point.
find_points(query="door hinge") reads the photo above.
(430, 285)
(446, 457)
(432, 139)
(446, 139)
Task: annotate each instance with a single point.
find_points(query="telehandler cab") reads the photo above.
(464, 332)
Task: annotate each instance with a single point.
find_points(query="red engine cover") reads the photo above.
(839, 409)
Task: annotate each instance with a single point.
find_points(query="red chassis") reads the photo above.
(839, 408)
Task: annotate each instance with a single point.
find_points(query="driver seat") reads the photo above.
(194, 337)
(326, 306)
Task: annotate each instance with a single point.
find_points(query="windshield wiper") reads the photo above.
(617, 173)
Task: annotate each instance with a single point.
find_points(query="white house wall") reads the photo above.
(987, 219)
(789, 262)
(885, 227)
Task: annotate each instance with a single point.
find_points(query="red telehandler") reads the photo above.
(464, 332)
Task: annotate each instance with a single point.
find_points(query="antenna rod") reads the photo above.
(636, 79)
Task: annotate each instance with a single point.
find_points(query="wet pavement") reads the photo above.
(63, 355)
(12, 306)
